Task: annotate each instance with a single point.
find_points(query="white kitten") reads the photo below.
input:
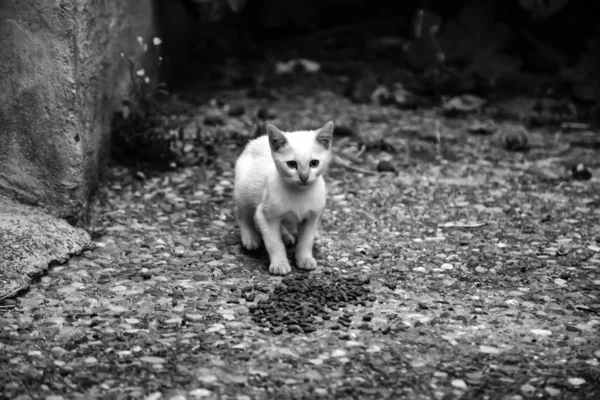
(280, 190)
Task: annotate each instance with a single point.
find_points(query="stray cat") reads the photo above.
(279, 190)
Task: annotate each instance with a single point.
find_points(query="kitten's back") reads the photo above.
(251, 171)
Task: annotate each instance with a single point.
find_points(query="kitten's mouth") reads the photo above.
(303, 185)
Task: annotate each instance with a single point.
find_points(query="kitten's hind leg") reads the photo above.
(248, 231)
(288, 238)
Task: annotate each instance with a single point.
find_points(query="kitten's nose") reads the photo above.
(303, 176)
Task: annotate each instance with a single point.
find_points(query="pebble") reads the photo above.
(338, 353)
(527, 389)
(213, 118)
(385, 166)
(446, 266)
(236, 111)
(58, 351)
(459, 384)
(153, 360)
(576, 381)
(541, 332)
(90, 361)
(194, 317)
(200, 393)
(265, 113)
(208, 378)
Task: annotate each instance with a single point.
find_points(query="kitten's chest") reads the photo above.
(299, 207)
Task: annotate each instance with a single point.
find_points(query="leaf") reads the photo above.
(451, 224)
(543, 9)
(477, 16)
(464, 104)
(236, 5)
(424, 22)
(495, 67)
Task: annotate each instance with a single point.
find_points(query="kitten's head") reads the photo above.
(301, 156)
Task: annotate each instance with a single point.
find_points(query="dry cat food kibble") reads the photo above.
(303, 304)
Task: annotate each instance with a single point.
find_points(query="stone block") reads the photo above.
(62, 77)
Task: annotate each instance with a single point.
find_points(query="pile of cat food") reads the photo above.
(303, 304)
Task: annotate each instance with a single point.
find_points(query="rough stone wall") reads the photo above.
(61, 78)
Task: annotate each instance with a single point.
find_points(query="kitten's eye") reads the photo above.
(314, 163)
(292, 164)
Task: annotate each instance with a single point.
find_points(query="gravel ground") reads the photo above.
(470, 272)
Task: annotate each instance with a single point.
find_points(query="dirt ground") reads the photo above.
(478, 269)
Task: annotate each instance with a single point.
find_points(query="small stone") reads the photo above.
(576, 381)
(560, 282)
(34, 353)
(527, 389)
(236, 111)
(90, 361)
(58, 351)
(194, 317)
(446, 266)
(200, 393)
(541, 332)
(209, 378)
(552, 391)
(489, 349)
(338, 353)
(581, 172)
(385, 166)
(265, 113)
(153, 360)
(459, 384)
(213, 118)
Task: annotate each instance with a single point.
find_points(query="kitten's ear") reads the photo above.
(325, 134)
(276, 138)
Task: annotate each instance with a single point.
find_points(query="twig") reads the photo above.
(346, 164)
(13, 293)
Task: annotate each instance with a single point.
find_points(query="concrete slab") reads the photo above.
(30, 241)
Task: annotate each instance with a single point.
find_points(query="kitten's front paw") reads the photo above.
(280, 267)
(308, 263)
(250, 240)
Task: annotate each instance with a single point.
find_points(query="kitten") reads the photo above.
(279, 190)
